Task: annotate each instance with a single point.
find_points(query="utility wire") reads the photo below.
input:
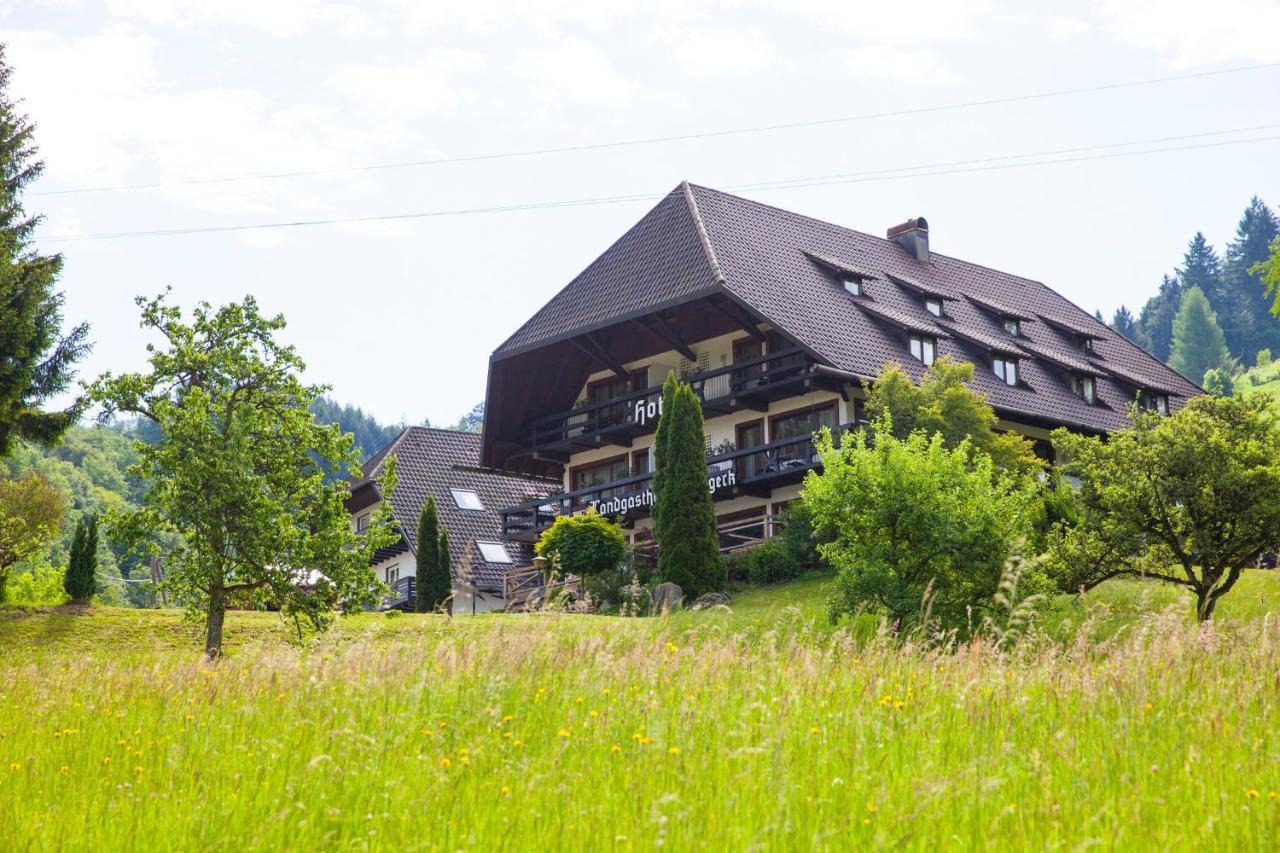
(656, 140)
(965, 166)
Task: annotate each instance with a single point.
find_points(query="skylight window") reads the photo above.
(853, 285)
(1006, 369)
(467, 499)
(1012, 326)
(933, 306)
(924, 349)
(493, 552)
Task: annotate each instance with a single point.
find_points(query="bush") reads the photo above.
(772, 562)
(905, 517)
(625, 585)
(42, 585)
(795, 527)
(737, 566)
(584, 545)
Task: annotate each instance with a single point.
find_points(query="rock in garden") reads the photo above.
(665, 597)
(711, 599)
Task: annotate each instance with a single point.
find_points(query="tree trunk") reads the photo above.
(1205, 602)
(213, 623)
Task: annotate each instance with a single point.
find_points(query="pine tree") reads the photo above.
(683, 513)
(1257, 228)
(36, 360)
(430, 592)
(1125, 323)
(1202, 268)
(1156, 320)
(1198, 342)
(82, 568)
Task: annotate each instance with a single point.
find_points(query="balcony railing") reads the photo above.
(743, 384)
(401, 597)
(746, 471)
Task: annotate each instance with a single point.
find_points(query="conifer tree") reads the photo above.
(683, 512)
(36, 359)
(1198, 342)
(430, 592)
(1125, 323)
(82, 568)
(444, 571)
(1156, 320)
(1257, 228)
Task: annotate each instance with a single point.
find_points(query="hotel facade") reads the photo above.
(776, 320)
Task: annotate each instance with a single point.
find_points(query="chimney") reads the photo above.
(912, 235)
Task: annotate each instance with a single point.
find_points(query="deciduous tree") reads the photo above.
(239, 470)
(1192, 499)
(683, 513)
(30, 515)
(585, 545)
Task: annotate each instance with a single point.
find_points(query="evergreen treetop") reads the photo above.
(1198, 342)
(428, 595)
(36, 359)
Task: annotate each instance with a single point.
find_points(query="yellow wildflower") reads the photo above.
(466, 762)
(814, 730)
(675, 750)
(445, 762)
(506, 790)
(871, 808)
(616, 748)
(1252, 794)
(563, 733)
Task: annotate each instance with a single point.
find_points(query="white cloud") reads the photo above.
(418, 87)
(724, 53)
(898, 23)
(274, 17)
(895, 63)
(1194, 34)
(573, 69)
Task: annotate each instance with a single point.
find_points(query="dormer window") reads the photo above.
(853, 285)
(1086, 344)
(1085, 388)
(1012, 326)
(923, 348)
(933, 305)
(1150, 401)
(1006, 369)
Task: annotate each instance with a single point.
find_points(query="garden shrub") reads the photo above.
(772, 562)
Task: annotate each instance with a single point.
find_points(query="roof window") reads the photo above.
(933, 305)
(923, 348)
(467, 499)
(1006, 369)
(494, 552)
(1085, 388)
(1012, 326)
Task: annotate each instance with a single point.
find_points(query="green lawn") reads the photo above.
(762, 727)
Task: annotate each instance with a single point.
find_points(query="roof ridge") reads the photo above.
(703, 237)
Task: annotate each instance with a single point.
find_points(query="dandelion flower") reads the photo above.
(814, 730)
(507, 734)
(616, 749)
(1252, 794)
(106, 759)
(13, 765)
(563, 733)
(671, 647)
(675, 750)
(466, 762)
(506, 789)
(871, 808)
(1273, 795)
(445, 762)
(646, 740)
(594, 713)
(518, 742)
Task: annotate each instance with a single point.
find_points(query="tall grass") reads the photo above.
(565, 732)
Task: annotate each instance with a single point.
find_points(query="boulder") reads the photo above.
(711, 599)
(666, 597)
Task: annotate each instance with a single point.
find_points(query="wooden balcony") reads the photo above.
(749, 384)
(747, 471)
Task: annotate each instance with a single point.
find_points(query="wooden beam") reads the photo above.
(730, 309)
(668, 336)
(592, 349)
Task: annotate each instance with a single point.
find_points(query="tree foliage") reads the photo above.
(1191, 499)
(36, 359)
(1198, 341)
(943, 404)
(30, 514)
(433, 585)
(1268, 272)
(80, 581)
(239, 470)
(898, 517)
(585, 545)
(683, 513)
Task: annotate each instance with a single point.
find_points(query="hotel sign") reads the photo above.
(626, 503)
(647, 409)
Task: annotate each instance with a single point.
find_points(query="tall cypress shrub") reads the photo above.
(683, 514)
(82, 568)
(428, 557)
(444, 570)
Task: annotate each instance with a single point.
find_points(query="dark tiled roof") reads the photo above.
(699, 241)
(431, 462)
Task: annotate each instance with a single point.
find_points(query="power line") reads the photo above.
(965, 166)
(656, 140)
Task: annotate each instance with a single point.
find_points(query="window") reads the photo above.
(640, 462)
(1149, 401)
(393, 573)
(362, 523)
(467, 499)
(493, 552)
(923, 348)
(933, 306)
(599, 473)
(1006, 369)
(1084, 388)
(1012, 326)
(803, 423)
(853, 285)
(1086, 344)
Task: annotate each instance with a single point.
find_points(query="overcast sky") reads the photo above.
(400, 316)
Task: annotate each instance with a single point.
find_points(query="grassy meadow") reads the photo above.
(1124, 727)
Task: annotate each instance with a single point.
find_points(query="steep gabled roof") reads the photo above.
(431, 462)
(785, 268)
